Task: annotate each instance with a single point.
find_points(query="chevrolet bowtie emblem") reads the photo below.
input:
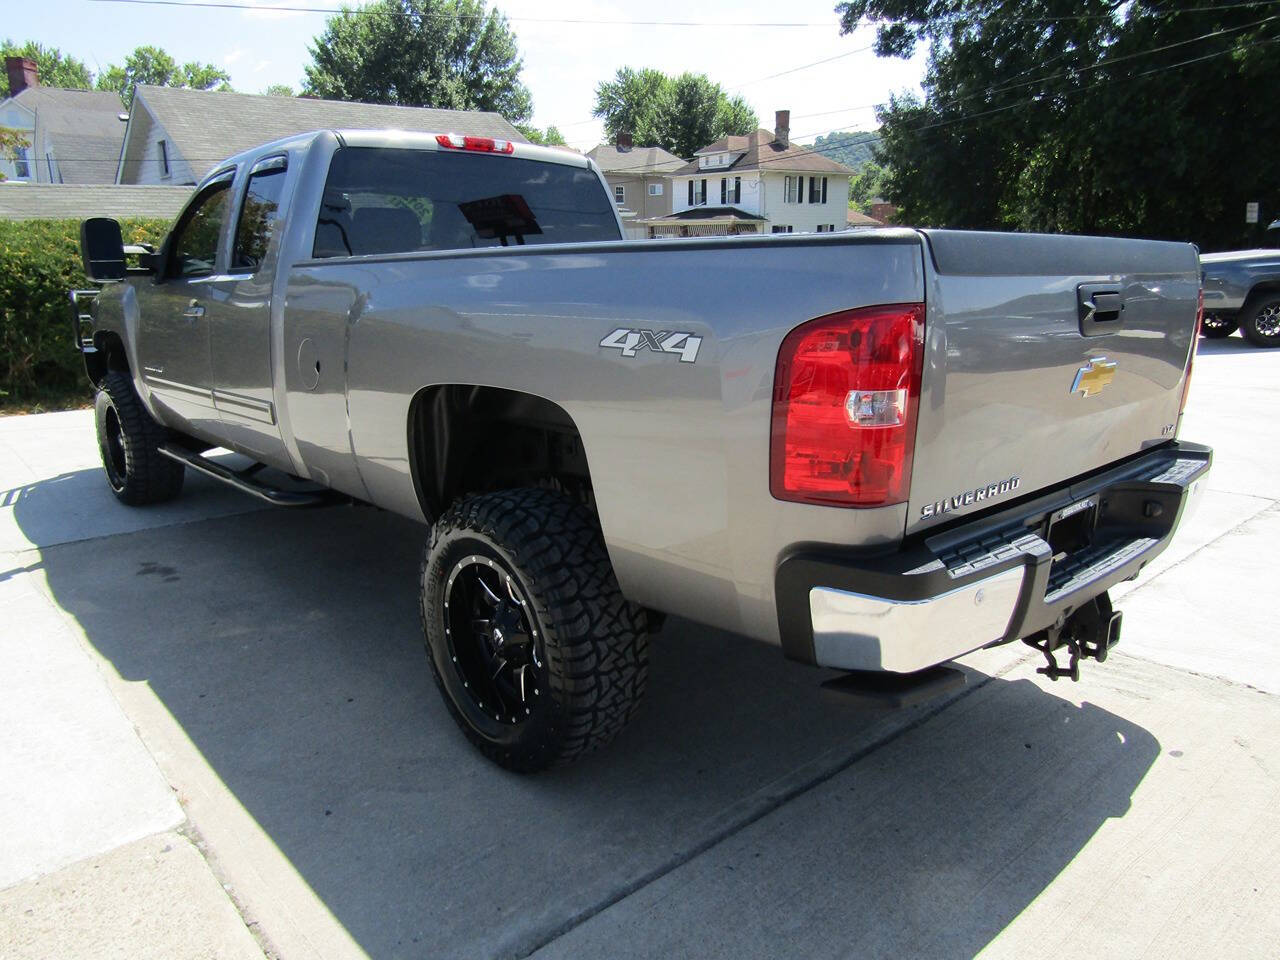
(1094, 376)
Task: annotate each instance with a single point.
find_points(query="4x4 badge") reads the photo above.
(630, 339)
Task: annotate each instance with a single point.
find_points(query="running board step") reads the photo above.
(244, 480)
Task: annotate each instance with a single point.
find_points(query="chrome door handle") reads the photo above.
(194, 310)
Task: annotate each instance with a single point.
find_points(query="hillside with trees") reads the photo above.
(853, 148)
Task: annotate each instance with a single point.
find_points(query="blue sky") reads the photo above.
(563, 61)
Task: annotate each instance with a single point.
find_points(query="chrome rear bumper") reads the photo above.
(986, 581)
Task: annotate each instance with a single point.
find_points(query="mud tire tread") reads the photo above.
(595, 640)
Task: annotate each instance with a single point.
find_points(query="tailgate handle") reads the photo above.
(1101, 309)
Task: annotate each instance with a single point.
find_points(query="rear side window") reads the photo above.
(258, 214)
(382, 200)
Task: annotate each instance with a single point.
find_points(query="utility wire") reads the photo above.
(856, 140)
(587, 21)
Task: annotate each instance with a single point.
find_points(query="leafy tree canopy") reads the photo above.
(551, 137)
(868, 185)
(56, 69)
(450, 54)
(853, 148)
(681, 114)
(151, 65)
(279, 90)
(1089, 116)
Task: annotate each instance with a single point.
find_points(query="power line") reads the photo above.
(987, 91)
(856, 140)
(581, 21)
(871, 138)
(591, 21)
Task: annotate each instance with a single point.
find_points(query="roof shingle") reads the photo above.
(207, 126)
(60, 201)
(761, 151)
(636, 161)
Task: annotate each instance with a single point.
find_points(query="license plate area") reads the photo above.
(1072, 529)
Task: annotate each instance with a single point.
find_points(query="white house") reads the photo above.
(759, 183)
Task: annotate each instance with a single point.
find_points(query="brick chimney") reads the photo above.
(23, 73)
(624, 140)
(782, 127)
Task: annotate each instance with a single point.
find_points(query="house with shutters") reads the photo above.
(637, 178)
(759, 183)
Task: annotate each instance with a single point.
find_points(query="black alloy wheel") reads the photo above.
(539, 657)
(492, 639)
(129, 441)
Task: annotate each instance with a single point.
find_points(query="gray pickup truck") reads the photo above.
(879, 450)
(1242, 291)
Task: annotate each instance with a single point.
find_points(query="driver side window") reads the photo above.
(194, 250)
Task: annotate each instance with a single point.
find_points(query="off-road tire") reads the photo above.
(594, 641)
(1217, 327)
(128, 440)
(1265, 306)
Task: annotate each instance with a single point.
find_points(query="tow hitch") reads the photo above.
(1090, 631)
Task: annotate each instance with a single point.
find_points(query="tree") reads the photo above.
(551, 137)
(11, 141)
(452, 54)
(853, 148)
(680, 114)
(278, 90)
(867, 185)
(151, 65)
(1142, 119)
(632, 103)
(56, 69)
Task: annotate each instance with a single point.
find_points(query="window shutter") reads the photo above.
(737, 189)
(724, 191)
(691, 193)
(704, 192)
(799, 189)
(824, 189)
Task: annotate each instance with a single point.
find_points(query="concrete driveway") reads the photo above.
(218, 737)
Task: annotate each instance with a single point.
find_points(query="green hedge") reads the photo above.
(39, 263)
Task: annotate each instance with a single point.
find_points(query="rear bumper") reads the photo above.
(986, 581)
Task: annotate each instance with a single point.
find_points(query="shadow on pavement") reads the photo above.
(287, 646)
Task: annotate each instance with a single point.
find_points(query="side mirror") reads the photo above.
(102, 249)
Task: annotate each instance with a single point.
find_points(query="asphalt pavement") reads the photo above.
(219, 738)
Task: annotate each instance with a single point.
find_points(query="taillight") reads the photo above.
(452, 141)
(1191, 354)
(846, 393)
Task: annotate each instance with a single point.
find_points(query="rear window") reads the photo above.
(381, 200)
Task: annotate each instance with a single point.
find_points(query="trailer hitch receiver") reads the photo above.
(1090, 631)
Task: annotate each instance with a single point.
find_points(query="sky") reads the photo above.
(563, 61)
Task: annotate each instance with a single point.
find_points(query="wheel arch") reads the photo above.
(468, 438)
(109, 355)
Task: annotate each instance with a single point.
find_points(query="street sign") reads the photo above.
(1250, 213)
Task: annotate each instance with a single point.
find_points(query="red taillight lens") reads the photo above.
(1191, 354)
(846, 393)
(452, 141)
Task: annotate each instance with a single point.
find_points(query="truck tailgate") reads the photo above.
(1046, 357)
